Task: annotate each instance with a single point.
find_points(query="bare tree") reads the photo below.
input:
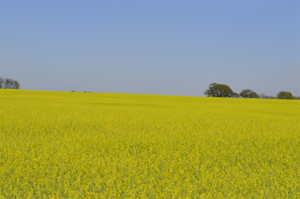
(262, 96)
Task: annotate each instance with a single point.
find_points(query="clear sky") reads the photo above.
(169, 47)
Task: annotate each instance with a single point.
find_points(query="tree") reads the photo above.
(285, 95)
(8, 83)
(218, 90)
(235, 95)
(1, 82)
(264, 96)
(247, 93)
(16, 85)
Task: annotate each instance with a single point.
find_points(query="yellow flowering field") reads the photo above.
(98, 145)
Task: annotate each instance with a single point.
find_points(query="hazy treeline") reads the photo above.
(222, 90)
(280, 95)
(9, 83)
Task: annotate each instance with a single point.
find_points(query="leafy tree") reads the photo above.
(218, 90)
(247, 93)
(285, 95)
(235, 95)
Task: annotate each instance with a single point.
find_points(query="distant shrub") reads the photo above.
(285, 95)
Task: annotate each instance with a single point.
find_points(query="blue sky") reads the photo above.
(163, 47)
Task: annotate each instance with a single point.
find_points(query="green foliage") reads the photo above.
(285, 95)
(218, 90)
(247, 93)
(235, 95)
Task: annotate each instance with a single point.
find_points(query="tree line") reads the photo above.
(222, 90)
(9, 83)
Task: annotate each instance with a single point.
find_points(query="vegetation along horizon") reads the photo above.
(100, 145)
